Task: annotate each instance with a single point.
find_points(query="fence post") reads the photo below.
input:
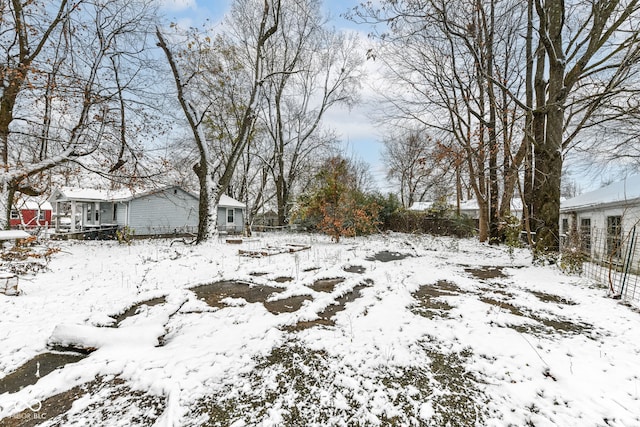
(627, 263)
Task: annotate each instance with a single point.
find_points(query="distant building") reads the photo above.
(468, 208)
(30, 213)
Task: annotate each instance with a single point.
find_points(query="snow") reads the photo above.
(13, 234)
(371, 364)
(626, 190)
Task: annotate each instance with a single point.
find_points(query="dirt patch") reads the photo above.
(544, 297)
(326, 285)
(36, 368)
(286, 305)
(214, 293)
(357, 269)
(308, 388)
(133, 310)
(518, 311)
(283, 279)
(325, 317)
(110, 400)
(428, 303)
(486, 272)
(388, 256)
(499, 289)
(547, 323)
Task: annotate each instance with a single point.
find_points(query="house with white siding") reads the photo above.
(168, 210)
(604, 217)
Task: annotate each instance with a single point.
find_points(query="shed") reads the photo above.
(603, 216)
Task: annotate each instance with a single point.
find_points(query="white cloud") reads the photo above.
(178, 5)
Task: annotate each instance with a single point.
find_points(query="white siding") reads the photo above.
(238, 220)
(171, 210)
(121, 213)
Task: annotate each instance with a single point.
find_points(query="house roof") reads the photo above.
(30, 203)
(97, 195)
(623, 191)
(228, 202)
(465, 205)
(90, 194)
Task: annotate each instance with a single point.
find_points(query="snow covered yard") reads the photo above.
(385, 330)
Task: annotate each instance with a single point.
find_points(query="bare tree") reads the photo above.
(214, 65)
(412, 160)
(64, 86)
(313, 68)
(588, 54)
(453, 68)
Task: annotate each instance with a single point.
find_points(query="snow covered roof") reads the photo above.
(91, 194)
(228, 202)
(420, 206)
(97, 195)
(627, 190)
(31, 203)
(465, 205)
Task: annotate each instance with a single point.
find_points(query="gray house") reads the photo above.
(167, 210)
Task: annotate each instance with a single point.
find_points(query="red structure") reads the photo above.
(30, 214)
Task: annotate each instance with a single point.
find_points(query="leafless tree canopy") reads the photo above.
(72, 87)
(517, 84)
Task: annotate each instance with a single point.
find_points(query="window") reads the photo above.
(41, 215)
(115, 212)
(14, 214)
(89, 209)
(230, 216)
(565, 226)
(614, 236)
(585, 234)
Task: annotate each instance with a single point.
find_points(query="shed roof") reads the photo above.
(625, 191)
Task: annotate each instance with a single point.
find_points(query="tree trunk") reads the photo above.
(6, 198)
(207, 204)
(548, 152)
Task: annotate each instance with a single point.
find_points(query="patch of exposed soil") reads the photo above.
(133, 310)
(116, 401)
(486, 272)
(547, 323)
(325, 317)
(428, 302)
(545, 297)
(36, 368)
(214, 293)
(286, 305)
(357, 269)
(306, 386)
(388, 256)
(326, 285)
